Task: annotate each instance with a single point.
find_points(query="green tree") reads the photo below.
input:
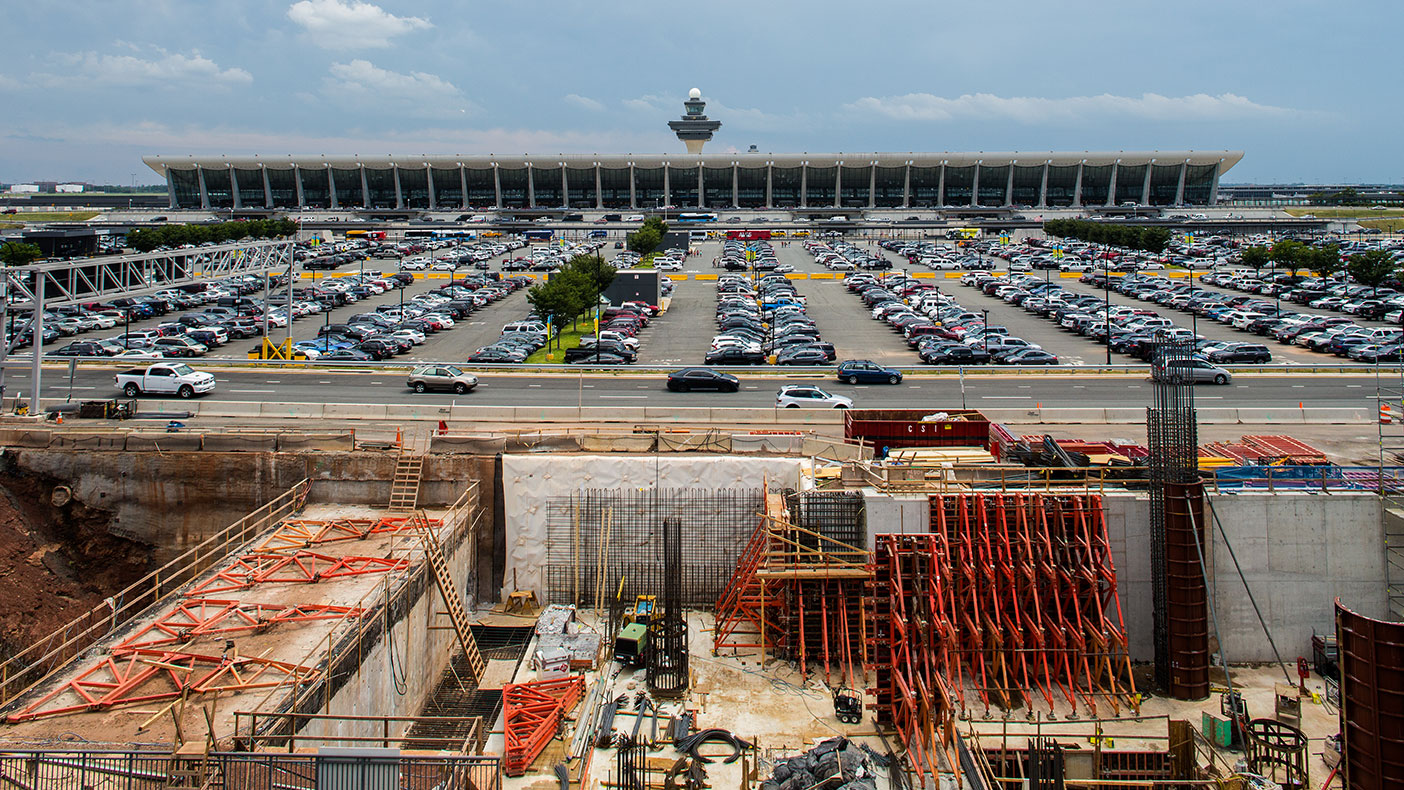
(1286, 254)
(18, 253)
(644, 240)
(1255, 256)
(1322, 261)
(656, 222)
(595, 269)
(1371, 268)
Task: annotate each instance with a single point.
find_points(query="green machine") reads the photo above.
(631, 643)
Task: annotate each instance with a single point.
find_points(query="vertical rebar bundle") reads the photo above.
(1172, 436)
(667, 670)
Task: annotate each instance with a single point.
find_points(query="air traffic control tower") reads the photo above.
(693, 128)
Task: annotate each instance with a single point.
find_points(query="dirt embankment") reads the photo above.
(57, 559)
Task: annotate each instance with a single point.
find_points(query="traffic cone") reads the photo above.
(1385, 417)
(60, 418)
(399, 438)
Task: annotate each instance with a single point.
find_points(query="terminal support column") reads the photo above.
(1111, 188)
(975, 186)
(804, 185)
(599, 193)
(838, 185)
(633, 188)
(531, 186)
(267, 188)
(331, 187)
(1043, 188)
(907, 186)
(429, 184)
(297, 185)
(1214, 185)
(234, 188)
(365, 189)
(701, 188)
(399, 197)
(941, 186)
(1009, 187)
(463, 186)
(770, 185)
(1180, 188)
(872, 186)
(1145, 188)
(1077, 186)
(496, 184)
(565, 187)
(735, 185)
(204, 193)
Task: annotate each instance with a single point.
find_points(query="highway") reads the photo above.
(987, 390)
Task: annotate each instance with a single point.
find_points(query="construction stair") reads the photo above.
(404, 489)
(458, 614)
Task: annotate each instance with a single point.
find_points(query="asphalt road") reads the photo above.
(934, 392)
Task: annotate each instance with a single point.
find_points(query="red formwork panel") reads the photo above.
(895, 428)
(1284, 448)
(1371, 655)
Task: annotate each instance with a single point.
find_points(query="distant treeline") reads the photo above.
(1132, 236)
(148, 239)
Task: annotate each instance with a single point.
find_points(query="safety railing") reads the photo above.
(40, 660)
(285, 731)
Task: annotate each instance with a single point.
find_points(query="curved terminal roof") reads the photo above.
(1226, 159)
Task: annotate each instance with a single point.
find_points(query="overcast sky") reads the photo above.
(1308, 90)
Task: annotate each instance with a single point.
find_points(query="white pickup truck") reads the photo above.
(170, 378)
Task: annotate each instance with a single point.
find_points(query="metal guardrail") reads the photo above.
(24, 361)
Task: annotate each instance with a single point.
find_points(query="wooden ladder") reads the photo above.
(404, 489)
(452, 600)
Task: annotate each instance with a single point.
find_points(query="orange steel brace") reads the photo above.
(531, 715)
(198, 617)
(740, 602)
(297, 534)
(129, 677)
(303, 567)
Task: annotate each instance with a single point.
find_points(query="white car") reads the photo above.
(803, 396)
(412, 336)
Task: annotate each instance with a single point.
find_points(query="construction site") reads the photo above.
(930, 600)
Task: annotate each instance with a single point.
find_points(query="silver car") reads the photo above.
(1198, 371)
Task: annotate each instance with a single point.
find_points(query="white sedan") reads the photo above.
(409, 334)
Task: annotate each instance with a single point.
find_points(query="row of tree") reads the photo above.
(1351, 197)
(1132, 236)
(148, 239)
(649, 235)
(571, 290)
(1371, 268)
(19, 253)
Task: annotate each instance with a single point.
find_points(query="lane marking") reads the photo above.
(534, 385)
(1007, 397)
(624, 396)
(253, 391)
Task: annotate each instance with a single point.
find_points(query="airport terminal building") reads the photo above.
(712, 181)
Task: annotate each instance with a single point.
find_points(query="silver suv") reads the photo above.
(441, 377)
(1198, 371)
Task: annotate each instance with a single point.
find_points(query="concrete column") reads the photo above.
(1145, 188)
(633, 189)
(975, 187)
(735, 184)
(872, 186)
(804, 186)
(297, 185)
(331, 189)
(599, 191)
(1214, 185)
(941, 186)
(365, 189)
(701, 188)
(170, 187)
(267, 188)
(399, 196)
(769, 186)
(531, 187)
(667, 188)
(462, 186)
(1111, 187)
(429, 185)
(1180, 187)
(497, 184)
(204, 193)
(1077, 187)
(1043, 188)
(838, 186)
(1009, 187)
(907, 187)
(234, 188)
(565, 187)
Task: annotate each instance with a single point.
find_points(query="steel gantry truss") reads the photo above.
(40, 286)
(203, 617)
(295, 535)
(302, 567)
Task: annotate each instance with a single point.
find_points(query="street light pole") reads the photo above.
(1106, 307)
(985, 331)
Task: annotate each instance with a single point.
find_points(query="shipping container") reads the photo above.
(892, 428)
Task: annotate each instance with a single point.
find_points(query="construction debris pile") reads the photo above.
(835, 764)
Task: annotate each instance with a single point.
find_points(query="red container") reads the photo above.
(893, 428)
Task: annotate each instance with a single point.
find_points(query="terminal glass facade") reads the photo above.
(186, 185)
(994, 182)
(1027, 183)
(1062, 185)
(716, 183)
(250, 187)
(889, 187)
(926, 186)
(218, 188)
(546, 186)
(819, 189)
(648, 187)
(682, 186)
(785, 186)
(614, 187)
(1130, 181)
(580, 186)
(282, 187)
(514, 186)
(960, 182)
(1096, 184)
(414, 187)
(750, 187)
(855, 185)
(482, 187)
(448, 187)
(380, 187)
(316, 189)
(1165, 184)
(347, 182)
(1199, 183)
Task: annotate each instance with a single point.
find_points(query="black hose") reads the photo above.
(563, 774)
(690, 744)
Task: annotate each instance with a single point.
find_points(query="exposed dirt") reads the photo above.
(56, 561)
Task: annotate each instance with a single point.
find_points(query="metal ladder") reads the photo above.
(404, 489)
(452, 600)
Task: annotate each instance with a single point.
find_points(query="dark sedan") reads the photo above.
(861, 371)
(689, 379)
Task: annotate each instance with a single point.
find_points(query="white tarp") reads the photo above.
(529, 480)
